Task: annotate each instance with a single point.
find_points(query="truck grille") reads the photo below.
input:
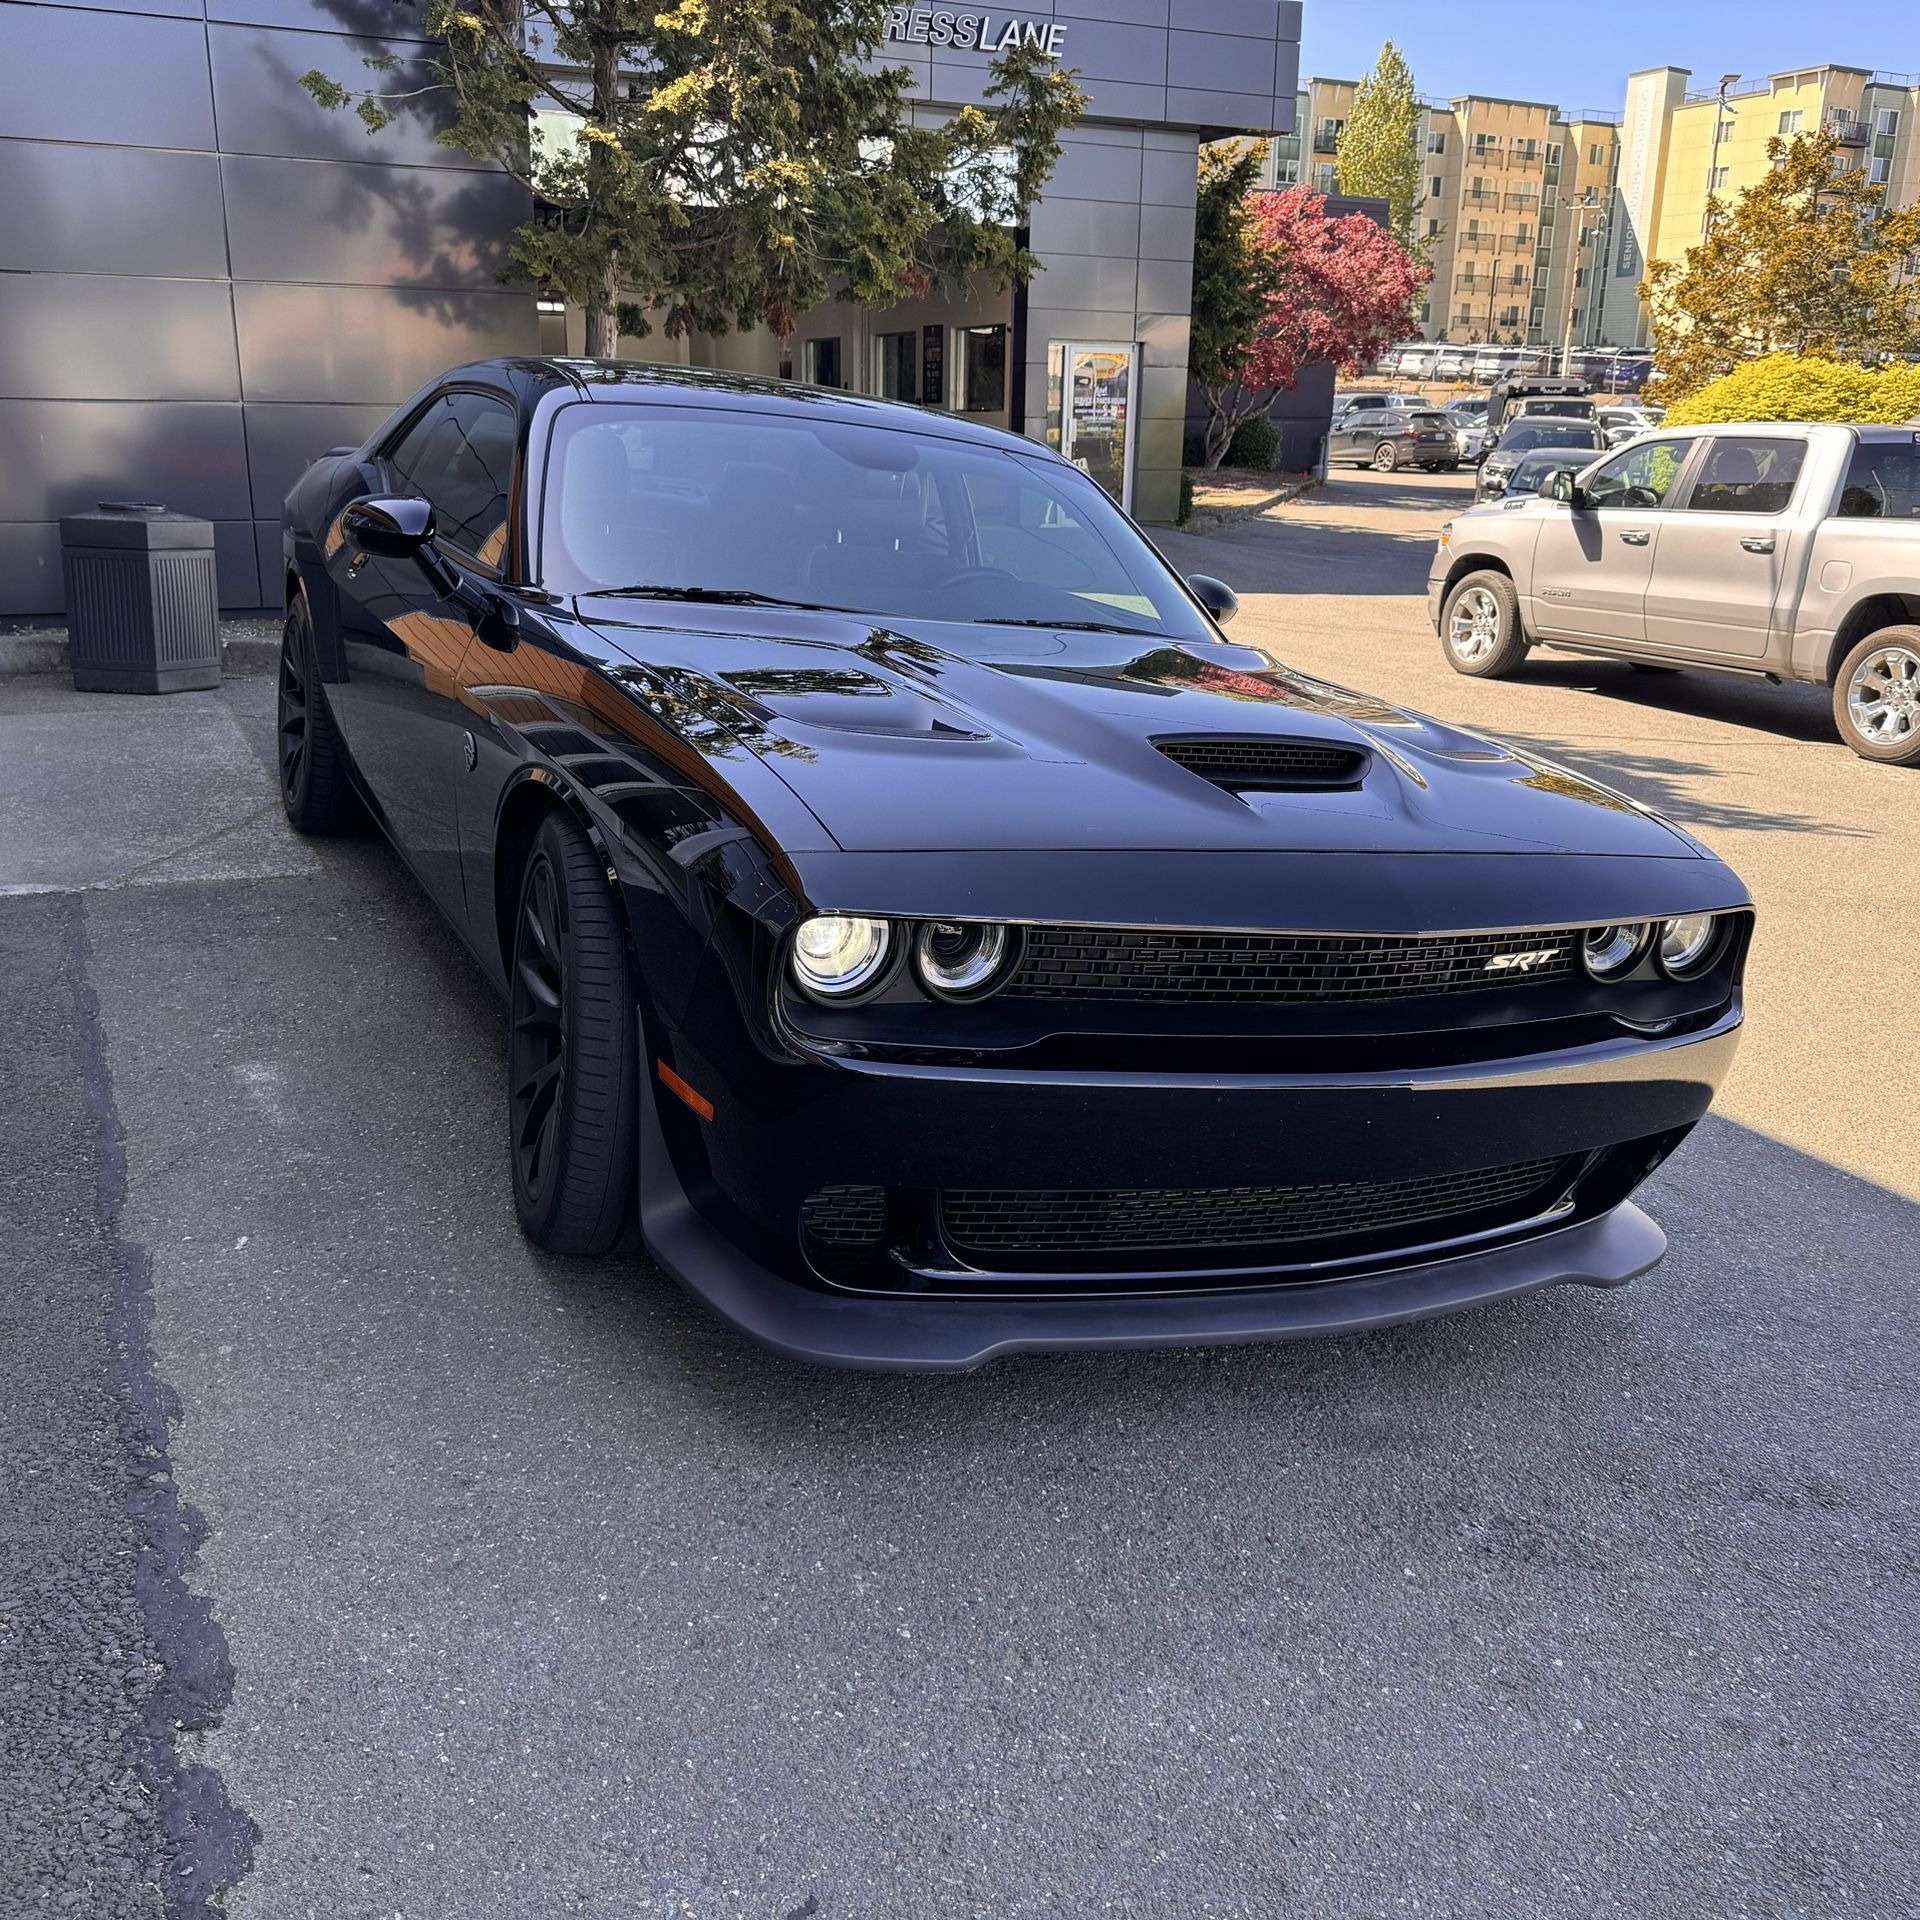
(1010, 1229)
(1075, 963)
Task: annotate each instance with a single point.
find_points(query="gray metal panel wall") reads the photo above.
(191, 316)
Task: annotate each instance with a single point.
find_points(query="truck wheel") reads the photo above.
(1876, 697)
(1386, 457)
(1480, 626)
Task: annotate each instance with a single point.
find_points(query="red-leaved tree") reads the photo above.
(1341, 289)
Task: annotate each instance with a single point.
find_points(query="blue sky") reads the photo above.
(1581, 56)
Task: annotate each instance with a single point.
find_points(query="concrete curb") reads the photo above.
(44, 651)
(1206, 519)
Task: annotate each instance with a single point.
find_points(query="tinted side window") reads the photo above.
(1748, 475)
(1883, 483)
(459, 456)
(1639, 476)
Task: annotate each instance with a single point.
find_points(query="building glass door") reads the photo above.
(1097, 424)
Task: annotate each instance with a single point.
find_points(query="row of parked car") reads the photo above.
(1538, 431)
(1604, 370)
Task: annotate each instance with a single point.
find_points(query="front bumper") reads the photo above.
(823, 1124)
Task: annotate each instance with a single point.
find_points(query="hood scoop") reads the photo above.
(1263, 764)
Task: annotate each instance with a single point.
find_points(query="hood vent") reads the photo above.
(1266, 765)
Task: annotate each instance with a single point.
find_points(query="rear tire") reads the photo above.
(1876, 697)
(573, 1046)
(314, 787)
(1386, 457)
(1480, 626)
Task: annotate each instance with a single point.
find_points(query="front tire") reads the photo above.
(1386, 457)
(314, 788)
(572, 1050)
(1876, 697)
(1480, 626)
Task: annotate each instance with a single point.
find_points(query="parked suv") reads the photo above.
(1779, 551)
(1386, 438)
(1529, 434)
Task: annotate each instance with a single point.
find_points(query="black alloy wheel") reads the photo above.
(572, 1049)
(314, 787)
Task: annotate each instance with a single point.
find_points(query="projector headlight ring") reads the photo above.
(1687, 943)
(1610, 952)
(961, 961)
(835, 956)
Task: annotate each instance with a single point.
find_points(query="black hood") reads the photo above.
(935, 736)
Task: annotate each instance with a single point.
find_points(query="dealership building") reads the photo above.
(206, 279)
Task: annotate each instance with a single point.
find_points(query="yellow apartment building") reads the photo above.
(1541, 221)
(1681, 146)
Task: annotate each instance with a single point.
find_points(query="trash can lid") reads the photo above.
(143, 524)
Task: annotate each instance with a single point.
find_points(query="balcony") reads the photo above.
(1326, 140)
(1850, 133)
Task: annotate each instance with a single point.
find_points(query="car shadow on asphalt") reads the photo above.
(1685, 791)
(1794, 711)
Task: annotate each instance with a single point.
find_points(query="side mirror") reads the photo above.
(389, 529)
(1216, 596)
(1558, 485)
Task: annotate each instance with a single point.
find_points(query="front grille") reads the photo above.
(845, 1216)
(1092, 963)
(1241, 765)
(1008, 1228)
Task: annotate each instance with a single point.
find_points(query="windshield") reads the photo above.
(1546, 433)
(725, 503)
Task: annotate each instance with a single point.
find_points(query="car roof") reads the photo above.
(646, 383)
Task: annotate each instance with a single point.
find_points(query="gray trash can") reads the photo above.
(143, 602)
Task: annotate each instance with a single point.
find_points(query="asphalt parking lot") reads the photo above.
(501, 1584)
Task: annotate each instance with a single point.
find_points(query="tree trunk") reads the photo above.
(603, 323)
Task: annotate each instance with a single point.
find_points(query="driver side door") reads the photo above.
(1592, 568)
(398, 703)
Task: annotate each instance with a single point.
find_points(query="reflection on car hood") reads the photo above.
(909, 736)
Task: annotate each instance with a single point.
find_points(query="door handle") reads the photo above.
(1636, 539)
(1760, 543)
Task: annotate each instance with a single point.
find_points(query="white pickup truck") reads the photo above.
(1787, 552)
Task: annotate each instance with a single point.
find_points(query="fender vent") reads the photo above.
(1256, 766)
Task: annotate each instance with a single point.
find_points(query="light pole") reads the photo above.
(1722, 113)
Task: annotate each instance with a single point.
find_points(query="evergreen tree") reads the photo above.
(1235, 280)
(732, 162)
(1806, 261)
(1378, 154)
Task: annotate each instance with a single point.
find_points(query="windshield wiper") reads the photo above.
(1076, 626)
(710, 596)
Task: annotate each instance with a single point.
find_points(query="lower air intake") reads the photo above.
(845, 1216)
(1010, 1229)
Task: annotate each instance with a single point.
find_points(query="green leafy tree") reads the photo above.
(723, 163)
(1804, 262)
(1235, 280)
(1784, 386)
(1378, 154)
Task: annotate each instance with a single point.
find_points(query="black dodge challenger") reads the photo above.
(926, 933)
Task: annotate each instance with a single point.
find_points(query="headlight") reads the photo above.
(838, 954)
(1611, 951)
(1686, 942)
(957, 961)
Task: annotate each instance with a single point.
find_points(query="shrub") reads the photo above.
(1193, 450)
(1186, 495)
(1785, 386)
(1255, 444)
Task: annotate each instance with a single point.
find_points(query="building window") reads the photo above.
(983, 370)
(1596, 154)
(1433, 188)
(1436, 143)
(1484, 144)
(1527, 150)
(1722, 131)
(1878, 171)
(1523, 235)
(1518, 276)
(1790, 123)
(1717, 180)
(821, 363)
(1886, 123)
(1323, 178)
(896, 366)
(1433, 229)
(1553, 153)
(1579, 276)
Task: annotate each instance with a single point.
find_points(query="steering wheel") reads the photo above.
(963, 575)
